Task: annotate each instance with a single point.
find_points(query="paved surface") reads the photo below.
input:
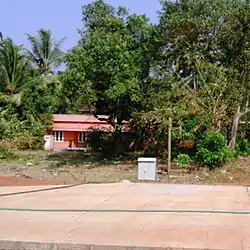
(173, 230)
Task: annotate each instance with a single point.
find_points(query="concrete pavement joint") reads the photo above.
(163, 211)
(206, 237)
(114, 195)
(71, 230)
(41, 190)
(248, 193)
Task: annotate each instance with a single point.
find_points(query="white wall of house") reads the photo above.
(48, 142)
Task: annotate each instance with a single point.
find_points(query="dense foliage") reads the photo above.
(192, 66)
(27, 93)
(213, 151)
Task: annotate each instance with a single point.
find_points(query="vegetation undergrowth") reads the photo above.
(183, 161)
(212, 150)
(6, 154)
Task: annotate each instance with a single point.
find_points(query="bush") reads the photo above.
(23, 143)
(212, 150)
(183, 161)
(24, 135)
(27, 142)
(242, 148)
(6, 154)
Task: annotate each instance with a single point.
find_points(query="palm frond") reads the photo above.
(45, 42)
(4, 76)
(30, 55)
(45, 52)
(12, 64)
(57, 54)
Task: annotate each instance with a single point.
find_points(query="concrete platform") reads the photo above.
(127, 229)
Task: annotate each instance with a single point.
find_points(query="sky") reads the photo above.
(62, 17)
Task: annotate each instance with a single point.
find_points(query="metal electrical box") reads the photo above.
(147, 169)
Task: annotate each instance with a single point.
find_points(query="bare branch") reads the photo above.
(191, 91)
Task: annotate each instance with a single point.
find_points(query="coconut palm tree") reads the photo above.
(45, 52)
(13, 65)
(13, 68)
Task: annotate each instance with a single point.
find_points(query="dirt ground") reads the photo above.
(43, 168)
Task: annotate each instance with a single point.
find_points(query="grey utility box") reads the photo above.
(147, 169)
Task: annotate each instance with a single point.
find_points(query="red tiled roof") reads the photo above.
(76, 118)
(79, 123)
(82, 123)
(68, 126)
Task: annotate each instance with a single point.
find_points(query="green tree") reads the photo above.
(189, 79)
(189, 32)
(200, 31)
(45, 52)
(15, 124)
(13, 69)
(40, 99)
(235, 48)
(111, 63)
(213, 102)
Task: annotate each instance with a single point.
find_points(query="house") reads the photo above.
(73, 131)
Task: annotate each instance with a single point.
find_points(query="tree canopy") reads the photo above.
(111, 63)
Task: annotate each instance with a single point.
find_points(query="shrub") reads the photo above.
(183, 161)
(27, 142)
(6, 154)
(242, 148)
(27, 134)
(212, 150)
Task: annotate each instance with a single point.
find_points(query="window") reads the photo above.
(58, 136)
(83, 137)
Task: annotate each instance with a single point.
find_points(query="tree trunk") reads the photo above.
(235, 126)
(119, 144)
